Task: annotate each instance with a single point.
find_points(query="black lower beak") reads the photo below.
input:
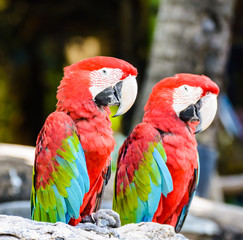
(191, 113)
(110, 96)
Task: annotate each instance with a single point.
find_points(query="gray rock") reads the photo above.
(148, 231)
(15, 179)
(16, 172)
(12, 227)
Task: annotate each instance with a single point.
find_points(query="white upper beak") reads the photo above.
(128, 94)
(207, 111)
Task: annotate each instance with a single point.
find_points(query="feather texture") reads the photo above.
(57, 194)
(137, 197)
(192, 191)
(74, 146)
(163, 147)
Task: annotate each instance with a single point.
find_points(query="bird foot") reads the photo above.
(101, 222)
(104, 218)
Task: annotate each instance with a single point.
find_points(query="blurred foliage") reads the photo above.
(231, 148)
(119, 138)
(39, 38)
(8, 110)
(235, 199)
(116, 121)
(231, 152)
(154, 4)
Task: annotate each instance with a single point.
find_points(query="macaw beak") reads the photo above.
(207, 111)
(123, 94)
(203, 111)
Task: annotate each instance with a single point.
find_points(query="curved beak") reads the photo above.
(124, 94)
(128, 94)
(203, 111)
(207, 112)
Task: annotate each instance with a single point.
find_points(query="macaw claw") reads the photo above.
(104, 218)
(101, 222)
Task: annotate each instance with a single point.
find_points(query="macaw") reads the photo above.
(158, 166)
(73, 148)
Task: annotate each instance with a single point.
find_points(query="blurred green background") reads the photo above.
(39, 38)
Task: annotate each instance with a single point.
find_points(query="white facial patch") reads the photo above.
(103, 78)
(185, 96)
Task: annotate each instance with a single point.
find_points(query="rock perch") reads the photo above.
(13, 227)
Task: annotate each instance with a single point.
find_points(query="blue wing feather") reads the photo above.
(62, 196)
(146, 209)
(83, 178)
(142, 175)
(167, 184)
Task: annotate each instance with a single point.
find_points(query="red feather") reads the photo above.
(162, 122)
(91, 122)
(180, 145)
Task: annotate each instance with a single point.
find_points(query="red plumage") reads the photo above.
(180, 144)
(48, 141)
(90, 121)
(164, 123)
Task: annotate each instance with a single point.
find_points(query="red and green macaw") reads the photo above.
(73, 148)
(158, 168)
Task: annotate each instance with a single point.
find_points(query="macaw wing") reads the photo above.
(192, 190)
(142, 176)
(60, 177)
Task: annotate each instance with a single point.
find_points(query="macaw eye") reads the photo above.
(186, 89)
(103, 71)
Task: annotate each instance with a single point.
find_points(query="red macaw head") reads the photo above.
(107, 81)
(188, 99)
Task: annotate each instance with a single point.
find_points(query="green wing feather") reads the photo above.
(137, 197)
(60, 180)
